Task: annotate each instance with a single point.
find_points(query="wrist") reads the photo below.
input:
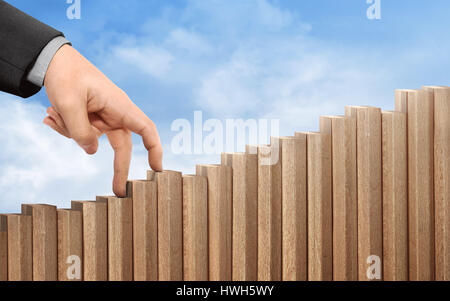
(37, 73)
(59, 64)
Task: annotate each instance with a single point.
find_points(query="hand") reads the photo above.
(86, 104)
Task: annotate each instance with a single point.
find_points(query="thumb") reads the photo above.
(76, 118)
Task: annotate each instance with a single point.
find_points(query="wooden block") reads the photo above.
(45, 241)
(269, 212)
(195, 228)
(320, 250)
(401, 100)
(352, 111)
(120, 239)
(369, 171)
(345, 212)
(251, 149)
(70, 245)
(433, 88)
(395, 196)
(20, 248)
(145, 229)
(219, 219)
(421, 185)
(245, 213)
(151, 175)
(442, 180)
(170, 226)
(95, 239)
(3, 248)
(294, 208)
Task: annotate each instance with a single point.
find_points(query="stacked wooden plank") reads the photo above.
(365, 198)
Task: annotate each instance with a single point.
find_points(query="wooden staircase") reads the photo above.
(366, 198)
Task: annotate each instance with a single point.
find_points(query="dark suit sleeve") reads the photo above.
(22, 38)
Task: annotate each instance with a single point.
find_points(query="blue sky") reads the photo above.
(288, 59)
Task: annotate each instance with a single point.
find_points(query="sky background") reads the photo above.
(291, 60)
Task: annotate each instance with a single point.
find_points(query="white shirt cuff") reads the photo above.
(37, 73)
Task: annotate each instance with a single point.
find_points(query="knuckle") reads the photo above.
(68, 105)
(150, 127)
(82, 136)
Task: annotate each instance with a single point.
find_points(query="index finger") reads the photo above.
(136, 121)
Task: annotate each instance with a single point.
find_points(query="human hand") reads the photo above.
(86, 104)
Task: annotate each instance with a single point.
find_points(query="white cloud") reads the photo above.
(230, 89)
(294, 79)
(236, 17)
(272, 16)
(190, 41)
(185, 45)
(152, 60)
